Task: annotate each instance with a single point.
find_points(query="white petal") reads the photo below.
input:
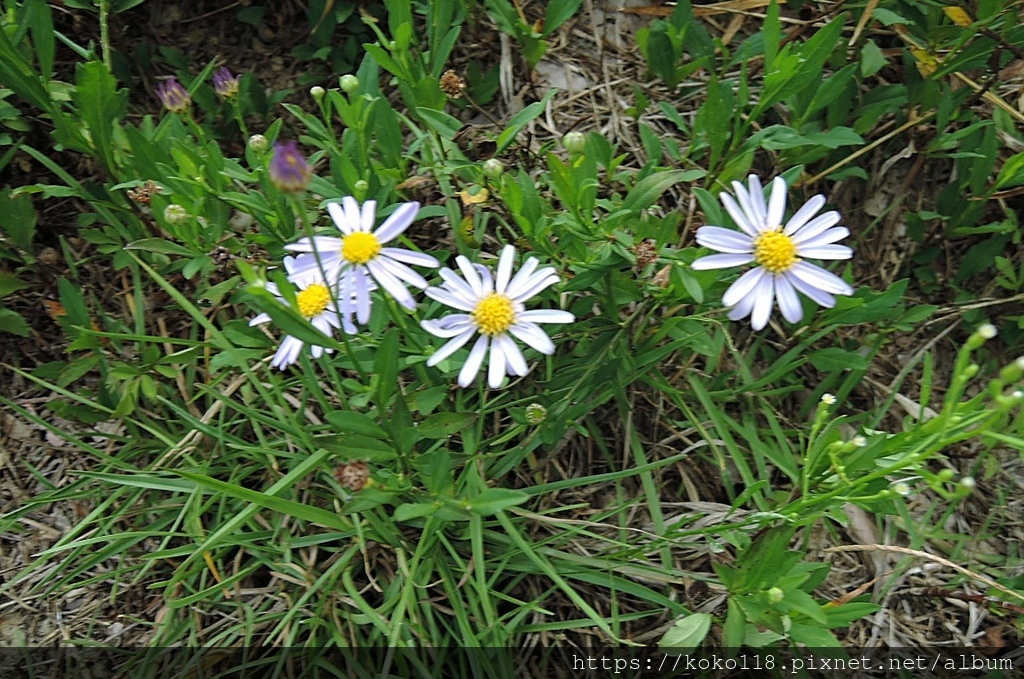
(458, 285)
(401, 272)
(789, 303)
(742, 309)
(450, 347)
(721, 261)
(471, 276)
(449, 326)
(367, 216)
(820, 278)
(472, 365)
(776, 204)
(724, 240)
(505, 262)
(450, 298)
(743, 286)
(262, 318)
(496, 366)
(387, 280)
(763, 296)
(739, 215)
(829, 236)
(520, 285)
(815, 294)
(536, 285)
(486, 281)
(816, 226)
(546, 316)
(397, 222)
(346, 297)
(410, 257)
(316, 350)
(753, 212)
(756, 197)
(804, 214)
(340, 218)
(513, 356)
(523, 275)
(362, 295)
(532, 335)
(826, 252)
(287, 353)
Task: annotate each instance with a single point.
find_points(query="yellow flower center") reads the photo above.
(493, 314)
(313, 300)
(775, 251)
(360, 247)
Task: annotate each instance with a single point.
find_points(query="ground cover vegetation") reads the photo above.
(508, 324)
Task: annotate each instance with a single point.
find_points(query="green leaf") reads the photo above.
(410, 511)
(101, 105)
(521, 120)
(299, 510)
(494, 500)
(872, 59)
(443, 425)
(650, 188)
(10, 283)
(13, 323)
(290, 321)
(688, 633)
(439, 121)
(834, 359)
(40, 23)
(160, 245)
(385, 368)
(558, 12)
(349, 421)
(19, 218)
(1011, 173)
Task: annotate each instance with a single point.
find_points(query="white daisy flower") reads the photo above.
(495, 309)
(314, 302)
(361, 255)
(778, 251)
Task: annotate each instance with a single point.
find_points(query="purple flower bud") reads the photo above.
(174, 97)
(289, 171)
(224, 83)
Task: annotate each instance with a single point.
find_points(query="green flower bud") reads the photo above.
(775, 595)
(258, 143)
(317, 92)
(985, 332)
(945, 475)
(574, 142)
(360, 188)
(1013, 371)
(536, 413)
(493, 168)
(349, 83)
(175, 214)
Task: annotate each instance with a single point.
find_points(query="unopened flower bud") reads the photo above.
(1013, 372)
(173, 96)
(901, 488)
(224, 83)
(493, 168)
(349, 83)
(828, 399)
(360, 188)
(775, 595)
(945, 475)
(289, 170)
(985, 332)
(258, 143)
(536, 413)
(317, 92)
(574, 142)
(175, 214)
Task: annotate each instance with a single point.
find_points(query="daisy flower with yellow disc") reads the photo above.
(360, 256)
(495, 310)
(778, 251)
(314, 302)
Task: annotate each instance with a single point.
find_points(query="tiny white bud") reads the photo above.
(828, 399)
(349, 83)
(258, 143)
(317, 92)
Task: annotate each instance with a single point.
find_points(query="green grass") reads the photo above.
(660, 457)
